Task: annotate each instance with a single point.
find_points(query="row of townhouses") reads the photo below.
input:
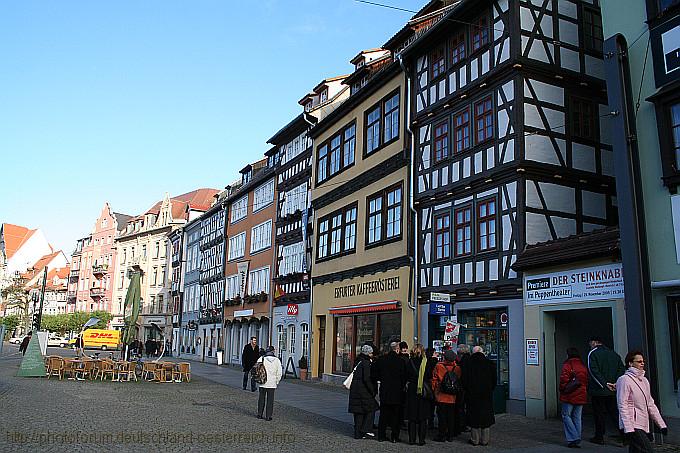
(483, 177)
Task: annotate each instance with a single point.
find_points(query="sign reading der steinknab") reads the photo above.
(592, 283)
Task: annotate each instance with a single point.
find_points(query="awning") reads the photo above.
(365, 308)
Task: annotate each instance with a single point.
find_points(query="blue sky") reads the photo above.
(123, 101)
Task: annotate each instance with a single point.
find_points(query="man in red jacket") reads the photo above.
(573, 396)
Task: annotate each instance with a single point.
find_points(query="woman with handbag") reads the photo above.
(573, 395)
(636, 405)
(362, 401)
(418, 394)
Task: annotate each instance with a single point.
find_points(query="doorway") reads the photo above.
(322, 346)
(570, 328)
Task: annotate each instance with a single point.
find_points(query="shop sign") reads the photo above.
(239, 313)
(665, 44)
(158, 321)
(504, 319)
(532, 351)
(440, 297)
(292, 309)
(368, 287)
(587, 284)
(451, 331)
(440, 309)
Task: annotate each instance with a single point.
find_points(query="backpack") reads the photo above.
(451, 383)
(258, 373)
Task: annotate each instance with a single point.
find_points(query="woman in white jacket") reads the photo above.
(274, 372)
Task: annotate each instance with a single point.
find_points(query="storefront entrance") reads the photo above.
(352, 332)
(570, 328)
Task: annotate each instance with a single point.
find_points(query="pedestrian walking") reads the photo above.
(362, 403)
(274, 372)
(479, 381)
(573, 396)
(405, 355)
(391, 372)
(446, 384)
(79, 346)
(24, 343)
(148, 345)
(249, 356)
(636, 405)
(432, 361)
(418, 395)
(604, 368)
(370, 425)
(462, 354)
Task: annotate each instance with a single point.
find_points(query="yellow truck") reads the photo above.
(99, 339)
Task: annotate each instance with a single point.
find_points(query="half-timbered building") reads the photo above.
(360, 271)
(507, 105)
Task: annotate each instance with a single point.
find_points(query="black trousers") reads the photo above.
(360, 422)
(447, 420)
(638, 442)
(419, 428)
(267, 394)
(604, 407)
(246, 374)
(461, 420)
(389, 416)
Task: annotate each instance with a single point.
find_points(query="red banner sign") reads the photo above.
(292, 309)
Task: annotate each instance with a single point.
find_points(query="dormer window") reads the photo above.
(324, 95)
(308, 106)
(246, 177)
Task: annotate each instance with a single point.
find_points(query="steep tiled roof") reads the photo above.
(15, 236)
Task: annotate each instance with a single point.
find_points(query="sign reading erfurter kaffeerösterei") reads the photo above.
(575, 285)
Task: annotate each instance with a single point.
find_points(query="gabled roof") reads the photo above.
(45, 260)
(15, 236)
(121, 220)
(199, 199)
(291, 130)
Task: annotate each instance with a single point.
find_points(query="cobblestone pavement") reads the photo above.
(37, 414)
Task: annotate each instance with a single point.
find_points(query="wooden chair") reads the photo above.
(87, 370)
(126, 371)
(70, 369)
(148, 369)
(55, 367)
(182, 370)
(107, 369)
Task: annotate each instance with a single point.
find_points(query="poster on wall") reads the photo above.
(438, 346)
(451, 331)
(532, 351)
(576, 285)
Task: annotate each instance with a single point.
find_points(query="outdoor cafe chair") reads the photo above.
(70, 368)
(148, 369)
(55, 367)
(86, 370)
(107, 369)
(182, 370)
(126, 371)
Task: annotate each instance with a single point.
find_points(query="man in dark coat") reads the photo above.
(463, 354)
(604, 367)
(391, 372)
(248, 358)
(362, 401)
(479, 380)
(24, 343)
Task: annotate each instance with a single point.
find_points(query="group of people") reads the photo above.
(251, 356)
(617, 391)
(408, 387)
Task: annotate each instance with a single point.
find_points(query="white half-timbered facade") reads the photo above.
(212, 248)
(510, 148)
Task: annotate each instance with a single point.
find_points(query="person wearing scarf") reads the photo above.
(636, 405)
(418, 395)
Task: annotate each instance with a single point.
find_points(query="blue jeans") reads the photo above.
(571, 419)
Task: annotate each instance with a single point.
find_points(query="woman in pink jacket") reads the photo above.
(636, 405)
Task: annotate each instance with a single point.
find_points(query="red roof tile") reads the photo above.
(15, 236)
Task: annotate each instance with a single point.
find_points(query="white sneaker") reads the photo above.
(370, 434)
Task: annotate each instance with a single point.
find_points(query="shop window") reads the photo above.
(344, 337)
(280, 334)
(291, 339)
(488, 329)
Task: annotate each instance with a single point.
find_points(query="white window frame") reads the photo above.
(258, 281)
(261, 237)
(292, 258)
(263, 196)
(239, 209)
(232, 286)
(237, 244)
(304, 329)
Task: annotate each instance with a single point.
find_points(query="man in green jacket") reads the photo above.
(604, 368)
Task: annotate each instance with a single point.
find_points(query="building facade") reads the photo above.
(175, 257)
(511, 148)
(142, 244)
(643, 82)
(207, 256)
(249, 258)
(95, 262)
(360, 271)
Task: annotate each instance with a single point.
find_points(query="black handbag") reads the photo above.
(573, 384)
(428, 394)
